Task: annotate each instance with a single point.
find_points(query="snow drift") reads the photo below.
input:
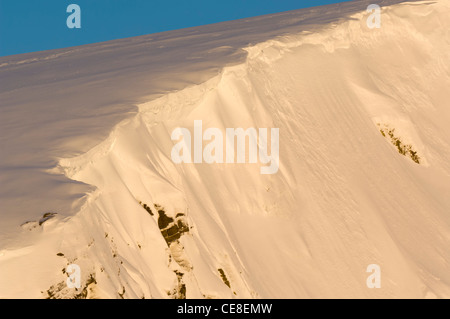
(345, 195)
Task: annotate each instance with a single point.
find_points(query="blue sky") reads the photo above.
(36, 25)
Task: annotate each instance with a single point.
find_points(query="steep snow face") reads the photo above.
(347, 100)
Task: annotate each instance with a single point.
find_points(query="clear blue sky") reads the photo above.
(36, 25)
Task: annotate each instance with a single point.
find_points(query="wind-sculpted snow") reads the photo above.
(344, 197)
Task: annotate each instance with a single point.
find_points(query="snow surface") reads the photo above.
(85, 133)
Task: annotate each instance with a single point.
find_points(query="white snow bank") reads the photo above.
(342, 199)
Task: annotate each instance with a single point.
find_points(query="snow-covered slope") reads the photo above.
(86, 134)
